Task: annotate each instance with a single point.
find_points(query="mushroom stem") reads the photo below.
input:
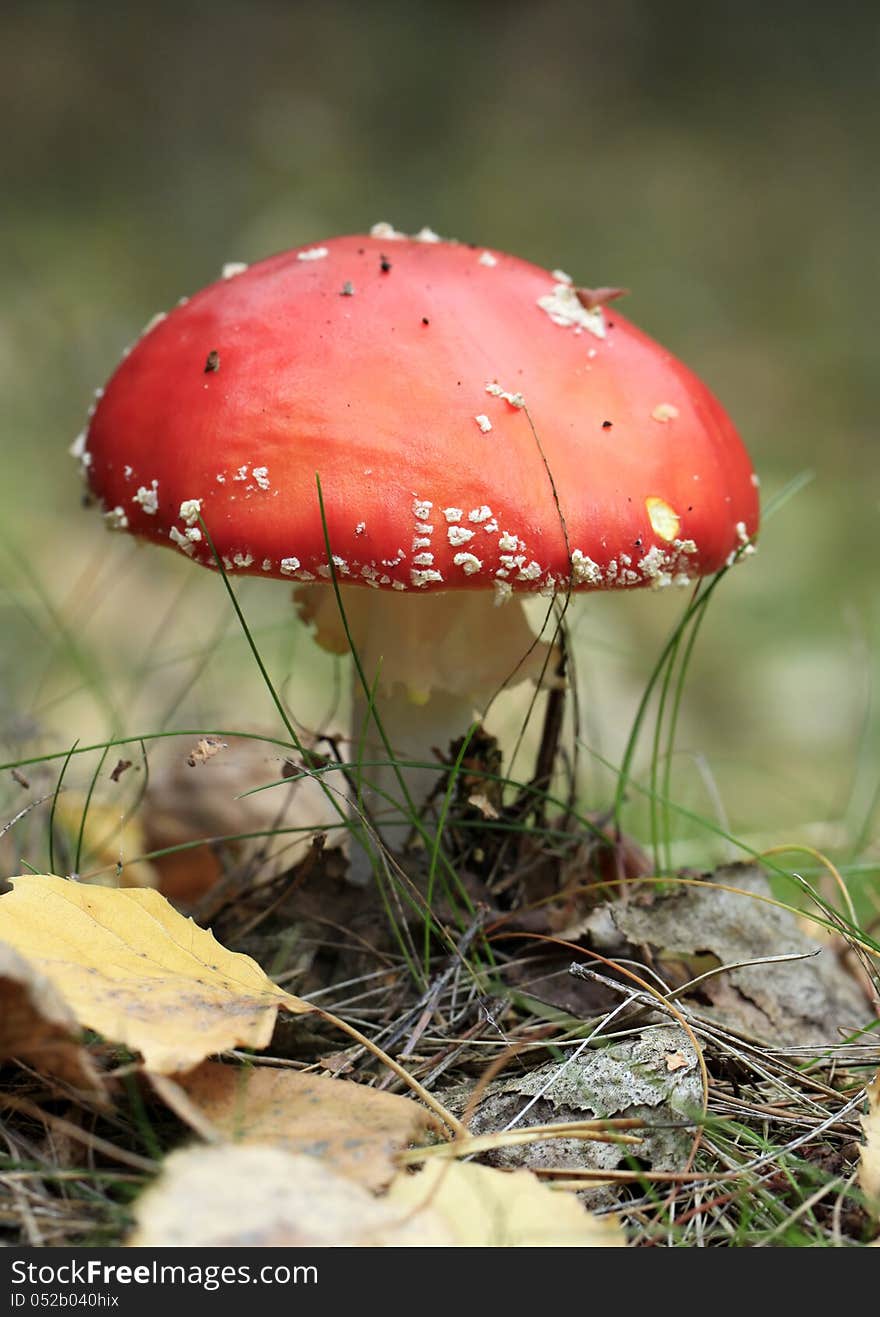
(418, 734)
(433, 660)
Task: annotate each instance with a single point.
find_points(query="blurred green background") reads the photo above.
(718, 160)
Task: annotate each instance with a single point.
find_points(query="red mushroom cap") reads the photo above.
(435, 388)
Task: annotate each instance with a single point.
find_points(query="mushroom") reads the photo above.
(482, 430)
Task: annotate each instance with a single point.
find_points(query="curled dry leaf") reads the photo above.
(127, 965)
(37, 1026)
(226, 1196)
(354, 1130)
(869, 1164)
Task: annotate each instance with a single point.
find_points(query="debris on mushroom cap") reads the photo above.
(515, 399)
(116, 519)
(565, 307)
(522, 441)
(590, 298)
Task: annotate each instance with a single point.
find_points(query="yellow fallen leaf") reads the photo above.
(869, 1165)
(355, 1130)
(488, 1208)
(134, 970)
(231, 1195)
(37, 1026)
(261, 1197)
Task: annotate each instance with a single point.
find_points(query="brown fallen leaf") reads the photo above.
(355, 1130)
(265, 1197)
(869, 1164)
(37, 1026)
(182, 807)
(730, 919)
(130, 967)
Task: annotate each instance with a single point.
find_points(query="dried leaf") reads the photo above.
(488, 1208)
(482, 802)
(182, 807)
(337, 1063)
(690, 929)
(37, 1026)
(628, 1078)
(205, 748)
(134, 970)
(355, 1130)
(260, 1197)
(869, 1165)
(265, 1197)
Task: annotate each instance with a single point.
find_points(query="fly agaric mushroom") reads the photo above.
(478, 427)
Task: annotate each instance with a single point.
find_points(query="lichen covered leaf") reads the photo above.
(130, 967)
(650, 1076)
(356, 1131)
